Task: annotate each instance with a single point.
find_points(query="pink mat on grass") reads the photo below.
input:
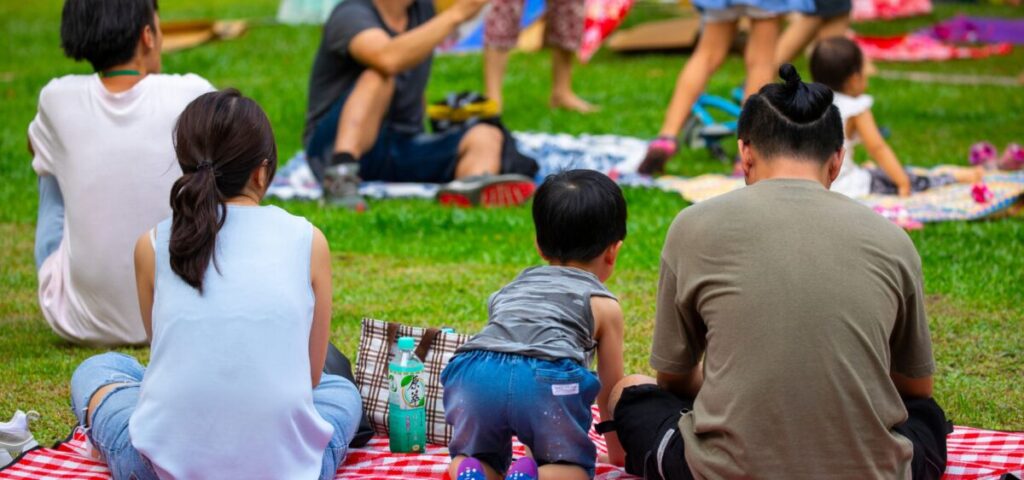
(973, 454)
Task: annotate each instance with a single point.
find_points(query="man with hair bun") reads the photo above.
(101, 145)
(790, 339)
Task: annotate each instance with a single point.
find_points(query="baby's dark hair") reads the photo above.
(578, 214)
(835, 60)
(104, 32)
(793, 119)
(220, 139)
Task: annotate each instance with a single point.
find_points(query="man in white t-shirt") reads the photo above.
(102, 148)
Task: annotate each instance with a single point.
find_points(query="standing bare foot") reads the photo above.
(569, 101)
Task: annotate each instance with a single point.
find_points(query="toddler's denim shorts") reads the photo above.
(490, 396)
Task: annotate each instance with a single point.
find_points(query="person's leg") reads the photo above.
(798, 34)
(646, 420)
(712, 48)
(337, 401)
(558, 439)
(926, 427)
(835, 26)
(476, 400)
(562, 94)
(563, 32)
(479, 151)
(501, 32)
(759, 54)
(104, 394)
(965, 174)
(49, 220)
(495, 63)
(711, 51)
(96, 377)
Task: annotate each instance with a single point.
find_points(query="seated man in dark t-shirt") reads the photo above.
(790, 338)
(366, 102)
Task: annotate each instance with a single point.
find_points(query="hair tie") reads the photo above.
(204, 164)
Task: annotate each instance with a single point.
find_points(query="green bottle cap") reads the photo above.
(406, 343)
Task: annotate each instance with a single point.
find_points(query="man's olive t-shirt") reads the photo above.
(804, 301)
(335, 70)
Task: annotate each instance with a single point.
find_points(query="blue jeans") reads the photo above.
(395, 157)
(49, 220)
(490, 396)
(335, 399)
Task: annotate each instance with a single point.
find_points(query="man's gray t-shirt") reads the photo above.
(335, 70)
(803, 301)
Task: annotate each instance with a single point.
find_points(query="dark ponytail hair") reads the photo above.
(793, 119)
(220, 139)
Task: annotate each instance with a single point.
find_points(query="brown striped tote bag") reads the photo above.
(377, 346)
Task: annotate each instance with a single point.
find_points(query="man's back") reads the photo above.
(806, 302)
(113, 156)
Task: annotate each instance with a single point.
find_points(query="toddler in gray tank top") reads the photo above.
(527, 372)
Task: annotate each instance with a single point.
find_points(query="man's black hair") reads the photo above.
(578, 214)
(835, 60)
(104, 32)
(793, 119)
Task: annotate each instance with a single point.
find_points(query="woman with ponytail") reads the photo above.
(236, 299)
(790, 337)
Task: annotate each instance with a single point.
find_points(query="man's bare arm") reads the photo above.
(392, 55)
(913, 387)
(683, 385)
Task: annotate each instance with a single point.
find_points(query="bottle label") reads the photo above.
(407, 390)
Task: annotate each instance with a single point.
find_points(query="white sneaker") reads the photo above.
(15, 436)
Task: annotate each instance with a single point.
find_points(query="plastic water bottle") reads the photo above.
(407, 419)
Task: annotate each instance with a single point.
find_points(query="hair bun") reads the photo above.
(788, 73)
(798, 101)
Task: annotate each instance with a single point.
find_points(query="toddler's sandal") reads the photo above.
(658, 152)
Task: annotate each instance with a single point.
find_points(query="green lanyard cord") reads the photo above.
(119, 73)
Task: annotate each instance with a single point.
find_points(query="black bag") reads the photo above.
(465, 109)
(338, 364)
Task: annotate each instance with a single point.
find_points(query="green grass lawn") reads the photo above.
(414, 262)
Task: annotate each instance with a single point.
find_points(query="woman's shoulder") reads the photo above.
(282, 218)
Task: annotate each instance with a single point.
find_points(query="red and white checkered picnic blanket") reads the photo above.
(973, 454)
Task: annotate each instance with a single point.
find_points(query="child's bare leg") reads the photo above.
(562, 95)
(759, 55)
(495, 62)
(711, 50)
(834, 27)
(798, 34)
(453, 469)
(966, 174)
(554, 471)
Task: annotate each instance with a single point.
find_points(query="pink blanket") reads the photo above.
(918, 47)
(973, 454)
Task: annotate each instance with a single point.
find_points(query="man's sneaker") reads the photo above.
(15, 436)
(341, 186)
(488, 191)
